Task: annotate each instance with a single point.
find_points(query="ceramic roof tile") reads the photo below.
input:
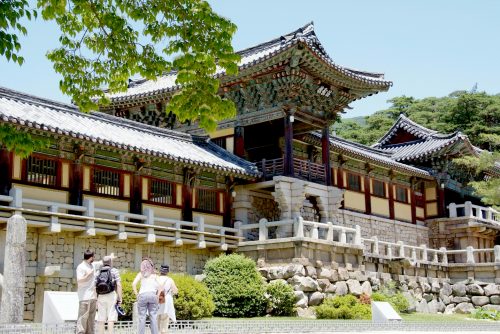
(101, 128)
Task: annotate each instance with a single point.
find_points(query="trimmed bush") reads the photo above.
(127, 277)
(193, 301)
(397, 300)
(343, 307)
(482, 313)
(236, 286)
(281, 299)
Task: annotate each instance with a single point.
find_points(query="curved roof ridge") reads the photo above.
(407, 124)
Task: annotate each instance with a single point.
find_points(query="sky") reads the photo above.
(426, 47)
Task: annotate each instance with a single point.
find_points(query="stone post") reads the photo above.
(470, 255)
(453, 210)
(14, 271)
(375, 249)
(445, 255)
(496, 251)
(357, 236)
(263, 233)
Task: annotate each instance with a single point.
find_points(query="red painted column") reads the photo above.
(136, 194)
(187, 195)
(325, 154)
(76, 182)
(288, 154)
(390, 193)
(228, 203)
(368, 197)
(413, 204)
(239, 141)
(5, 171)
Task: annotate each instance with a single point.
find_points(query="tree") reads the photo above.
(105, 42)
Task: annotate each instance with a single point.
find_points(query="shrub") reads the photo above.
(236, 286)
(343, 307)
(482, 313)
(280, 297)
(127, 277)
(397, 300)
(193, 300)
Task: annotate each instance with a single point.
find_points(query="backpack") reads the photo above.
(161, 298)
(104, 283)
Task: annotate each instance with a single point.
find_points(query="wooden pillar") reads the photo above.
(187, 194)
(440, 198)
(412, 199)
(368, 199)
(340, 173)
(5, 171)
(76, 178)
(228, 202)
(390, 193)
(288, 154)
(239, 141)
(325, 153)
(136, 194)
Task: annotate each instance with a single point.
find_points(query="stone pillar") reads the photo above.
(325, 150)
(288, 150)
(5, 171)
(12, 306)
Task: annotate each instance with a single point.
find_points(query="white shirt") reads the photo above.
(149, 284)
(86, 290)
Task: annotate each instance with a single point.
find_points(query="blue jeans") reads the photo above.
(147, 301)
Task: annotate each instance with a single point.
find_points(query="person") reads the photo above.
(85, 275)
(166, 311)
(109, 294)
(147, 298)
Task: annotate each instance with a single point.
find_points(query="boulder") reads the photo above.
(411, 301)
(343, 274)
(428, 297)
(435, 287)
(335, 275)
(294, 270)
(426, 287)
(445, 290)
(311, 272)
(276, 273)
(458, 290)
(358, 276)
(264, 271)
(306, 313)
(450, 309)
(316, 298)
(341, 288)
(480, 300)
(324, 273)
(422, 307)
(434, 306)
(492, 307)
(474, 290)
(374, 281)
(301, 299)
(366, 288)
(458, 300)
(464, 308)
(492, 289)
(200, 277)
(330, 289)
(323, 283)
(495, 299)
(354, 287)
(445, 299)
(301, 283)
(413, 284)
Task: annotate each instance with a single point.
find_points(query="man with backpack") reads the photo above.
(109, 295)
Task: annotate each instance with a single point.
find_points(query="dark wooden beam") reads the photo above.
(5, 171)
(368, 200)
(325, 154)
(412, 199)
(136, 185)
(228, 202)
(187, 194)
(76, 177)
(239, 141)
(390, 193)
(288, 151)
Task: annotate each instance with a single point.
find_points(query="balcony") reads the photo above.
(485, 215)
(302, 169)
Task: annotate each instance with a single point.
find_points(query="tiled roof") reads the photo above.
(429, 142)
(63, 119)
(254, 55)
(371, 154)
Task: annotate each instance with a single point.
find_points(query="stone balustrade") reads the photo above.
(90, 220)
(484, 214)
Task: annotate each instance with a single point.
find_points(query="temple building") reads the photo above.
(134, 180)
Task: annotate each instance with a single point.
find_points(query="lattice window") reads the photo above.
(42, 171)
(221, 142)
(401, 194)
(378, 188)
(353, 182)
(106, 182)
(161, 192)
(206, 199)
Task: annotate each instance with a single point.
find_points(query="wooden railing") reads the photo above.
(484, 214)
(91, 220)
(303, 169)
(351, 237)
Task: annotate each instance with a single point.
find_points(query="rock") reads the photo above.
(434, 306)
(200, 277)
(464, 308)
(300, 299)
(428, 297)
(435, 287)
(324, 273)
(458, 290)
(306, 313)
(374, 281)
(341, 288)
(275, 273)
(422, 307)
(426, 287)
(316, 298)
(445, 299)
(335, 275)
(411, 301)
(412, 284)
(311, 272)
(358, 276)
(343, 274)
(445, 290)
(264, 272)
(354, 287)
(475, 290)
(492, 289)
(495, 300)
(480, 300)
(366, 288)
(324, 283)
(458, 300)
(305, 284)
(450, 309)
(330, 289)
(492, 307)
(294, 270)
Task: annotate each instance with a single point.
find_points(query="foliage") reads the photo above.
(343, 307)
(281, 299)
(21, 143)
(193, 301)
(482, 313)
(397, 300)
(12, 11)
(236, 286)
(128, 297)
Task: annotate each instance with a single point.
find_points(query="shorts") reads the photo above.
(106, 310)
